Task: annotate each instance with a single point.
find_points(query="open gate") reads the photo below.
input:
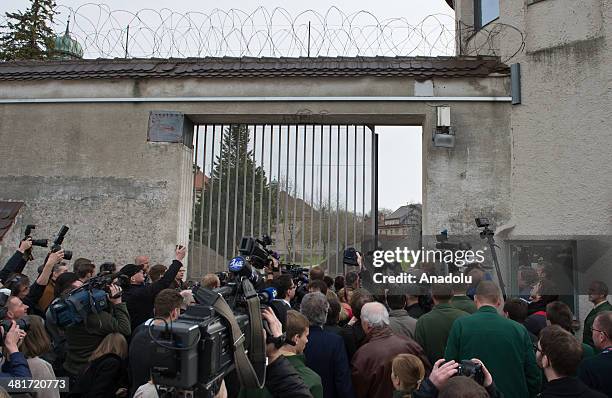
(309, 187)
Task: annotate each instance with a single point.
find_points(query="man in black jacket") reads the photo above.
(559, 354)
(139, 296)
(17, 262)
(167, 307)
(595, 371)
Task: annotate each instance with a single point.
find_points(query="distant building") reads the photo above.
(402, 222)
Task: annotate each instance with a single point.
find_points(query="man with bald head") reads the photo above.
(501, 344)
(142, 261)
(371, 364)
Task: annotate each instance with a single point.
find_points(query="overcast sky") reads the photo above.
(400, 147)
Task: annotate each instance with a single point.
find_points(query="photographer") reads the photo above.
(40, 286)
(65, 283)
(139, 296)
(15, 365)
(18, 260)
(83, 338)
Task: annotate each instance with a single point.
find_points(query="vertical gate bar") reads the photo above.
(363, 189)
(346, 177)
(320, 240)
(204, 149)
(244, 180)
(375, 187)
(338, 202)
(286, 213)
(263, 169)
(268, 232)
(210, 197)
(294, 218)
(329, 170)
(303, 228)
(355, 189)
(219, 198)
(193, 206)
(278, 182)
(230, 134)
(253, 183)
(237, 160)
(312, 176)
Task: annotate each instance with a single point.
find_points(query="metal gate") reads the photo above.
(309, 187)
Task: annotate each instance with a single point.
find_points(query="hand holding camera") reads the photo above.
(12, 338)
(25, 244)
(441, 372)
(114, 294)
(487, 379)
(55, 257)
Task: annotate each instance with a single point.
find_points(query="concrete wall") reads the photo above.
(89, 166)
(560, 135)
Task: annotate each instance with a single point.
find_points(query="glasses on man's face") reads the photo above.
(599, 331)
(536, 348)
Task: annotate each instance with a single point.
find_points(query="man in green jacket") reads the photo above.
(84, 338)
(432, 328)
(461, 301)
(501, 344)
(598, 294)
(297, 329)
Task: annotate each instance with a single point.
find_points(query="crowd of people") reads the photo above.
(337, 339)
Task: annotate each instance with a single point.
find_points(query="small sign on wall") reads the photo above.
(169, 126)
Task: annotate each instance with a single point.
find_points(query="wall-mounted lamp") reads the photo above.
(443, 135)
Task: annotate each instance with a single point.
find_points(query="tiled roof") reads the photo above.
(8, 212)
(419, 67)
(403, 211)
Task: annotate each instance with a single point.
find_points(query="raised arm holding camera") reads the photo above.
(18, 260)
(140, 297)
(15, 364)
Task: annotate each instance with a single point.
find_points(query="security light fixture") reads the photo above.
(443, 135)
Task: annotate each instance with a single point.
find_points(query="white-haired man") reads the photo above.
(371, 364)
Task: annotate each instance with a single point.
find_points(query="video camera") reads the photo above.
(256, 252)
(91, 298)
(212, 338)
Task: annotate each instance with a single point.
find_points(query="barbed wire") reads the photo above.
(149, 33)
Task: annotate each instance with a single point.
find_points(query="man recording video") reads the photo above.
(139, 296)
(84, 337)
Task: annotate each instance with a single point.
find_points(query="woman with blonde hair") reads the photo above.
(106, 369)
(35, 344)
(407, 373)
